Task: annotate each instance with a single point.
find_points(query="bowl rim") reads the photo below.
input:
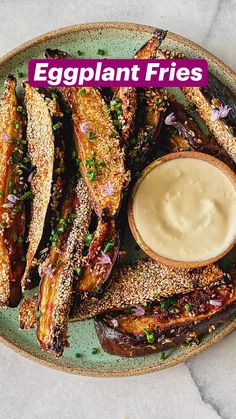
(136, 234)
(130, 26)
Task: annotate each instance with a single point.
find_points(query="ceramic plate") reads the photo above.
(119, 40)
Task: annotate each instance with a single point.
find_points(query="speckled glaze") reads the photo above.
(119, 40)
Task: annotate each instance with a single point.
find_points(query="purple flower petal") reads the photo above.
(8, 205)
(214, 114)
(108, 189)
(12, 198)
(104, 259)
(114, 323)
(138, 311)
(30, 177)
(84, 127)
(5, 137)
(216, 303)
(48, 270)
(218, 113)
(170, 119)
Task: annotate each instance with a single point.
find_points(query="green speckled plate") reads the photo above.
(119, 40)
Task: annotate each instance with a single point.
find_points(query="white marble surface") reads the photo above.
(205, 387)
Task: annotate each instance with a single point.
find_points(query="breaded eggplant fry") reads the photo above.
(146, 281)
(180, 319)
(185, 134)
(144, 142)
(12, 195)
(47, 158)
(57, 271)
(98, 146)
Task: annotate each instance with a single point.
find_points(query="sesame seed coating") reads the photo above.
(143, 281)
(41, 151)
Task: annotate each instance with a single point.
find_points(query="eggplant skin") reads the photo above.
(122, 344)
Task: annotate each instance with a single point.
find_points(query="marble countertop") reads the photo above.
(203, 388)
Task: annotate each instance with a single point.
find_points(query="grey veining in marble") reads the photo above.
(205, 387)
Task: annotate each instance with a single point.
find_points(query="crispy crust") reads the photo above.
(41, 151)
(27, 313)
(12, 219)
(55, 291)
(186, 319)
(149, 50)
(143, 282)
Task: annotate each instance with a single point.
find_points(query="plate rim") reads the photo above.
(232, 75)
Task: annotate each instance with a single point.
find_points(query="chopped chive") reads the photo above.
(187, 307)
(133, 141)
(82, 92)
(149, 336)
(23, 258)
(88, 239)
(90, 136)
(162, 356)
(54, 95)
(10, 185)
(57, 126)
(17, 124)
(80, 53)
(1, 193)
(2, 225)
(94, 351)
(101, 52)
(26, 195)
(109, 245)
(112, 134)
(20, 74)
(78, 355)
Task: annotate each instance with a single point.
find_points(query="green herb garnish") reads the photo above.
(80, 53)
(162, 356)
(101, 52)
(91, 136)
(149, 336)
(167, 302)
(187, 307)
(82, 92)
(108, 245)
(94, 351)
(57, 126)
(26, 195)
(88, 239)
(78, 355)
(17, 124)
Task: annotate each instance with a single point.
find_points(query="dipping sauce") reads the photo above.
(185, 210)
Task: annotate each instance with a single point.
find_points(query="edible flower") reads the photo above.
(170, 119)
(216, 303)
(219, 112)
(84, 126)
(5, 137)
(11, 201)
(138, 311)
(104, 258)
(108, 189)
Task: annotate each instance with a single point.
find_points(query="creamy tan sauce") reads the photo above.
(185, 210)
